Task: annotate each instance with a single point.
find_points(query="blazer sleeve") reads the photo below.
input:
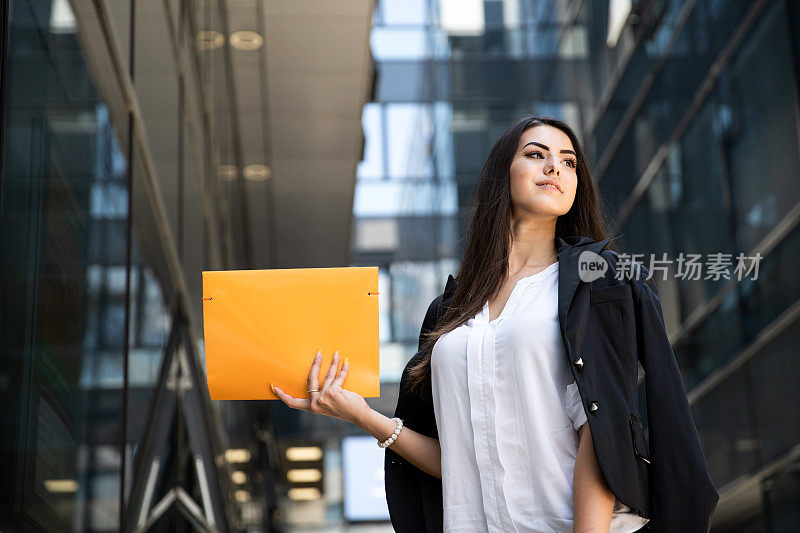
(682, 495)
(414, 497)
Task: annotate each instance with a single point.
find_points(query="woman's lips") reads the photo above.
(548, 187)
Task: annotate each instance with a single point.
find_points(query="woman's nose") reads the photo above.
(550, 166)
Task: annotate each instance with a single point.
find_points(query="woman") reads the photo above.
(520, 410)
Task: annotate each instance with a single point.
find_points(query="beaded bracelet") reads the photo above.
(390, 440)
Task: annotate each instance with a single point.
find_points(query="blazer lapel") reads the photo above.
(569, 251)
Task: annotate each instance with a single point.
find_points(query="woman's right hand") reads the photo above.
(332, 399)
(420, 450)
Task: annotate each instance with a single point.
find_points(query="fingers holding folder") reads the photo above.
(330, 398)
(260, 326)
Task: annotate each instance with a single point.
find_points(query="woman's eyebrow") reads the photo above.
(540, 145)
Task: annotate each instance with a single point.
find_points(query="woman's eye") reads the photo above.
(572, 163)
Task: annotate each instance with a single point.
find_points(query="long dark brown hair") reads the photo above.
(485, 263)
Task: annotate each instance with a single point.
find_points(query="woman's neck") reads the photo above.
(532, 246)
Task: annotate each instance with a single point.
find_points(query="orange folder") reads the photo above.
(265, 326)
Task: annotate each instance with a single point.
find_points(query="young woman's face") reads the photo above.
(544, 154)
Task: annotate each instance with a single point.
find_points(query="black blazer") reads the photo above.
(607, 325)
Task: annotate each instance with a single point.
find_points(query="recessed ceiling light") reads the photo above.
(227, 172)
(257, 172)
(238, 455)
(246, 40)
(304, 493)
(239, 477)
(209, 39)
(304, 453)
(61, 485)
(242, 496)
(304, 475)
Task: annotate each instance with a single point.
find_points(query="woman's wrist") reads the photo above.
(379, 426)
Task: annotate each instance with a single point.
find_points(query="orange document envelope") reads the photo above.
(265, 326)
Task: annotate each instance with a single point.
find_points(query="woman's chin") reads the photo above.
(549, 204)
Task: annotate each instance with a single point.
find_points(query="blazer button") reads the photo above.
(579, 363)
(593, 407)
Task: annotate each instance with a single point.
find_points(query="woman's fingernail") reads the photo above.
(273, 389)
(336, 353)
(346, 361)
(319, 352)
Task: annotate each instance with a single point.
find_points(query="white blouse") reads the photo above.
(508, 411)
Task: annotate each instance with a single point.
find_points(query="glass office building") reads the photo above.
(123, 179)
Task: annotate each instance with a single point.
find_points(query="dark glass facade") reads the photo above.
(64, 247)
(105, 419)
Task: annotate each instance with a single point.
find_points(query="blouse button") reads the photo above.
(593, 407)
(579, 363)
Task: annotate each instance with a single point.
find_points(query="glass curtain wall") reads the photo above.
(64, 245)
(89, 284)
